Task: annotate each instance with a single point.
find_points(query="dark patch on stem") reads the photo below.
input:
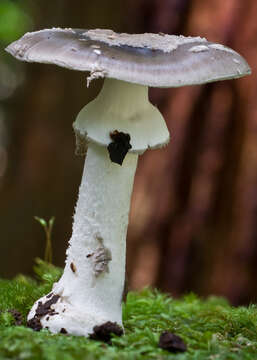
(125, 290)
(42, 310)
(81, 144)
(73, 267)
(63, 331)
(102, 256)
(171, 342)
(34, 324)
(119, 146)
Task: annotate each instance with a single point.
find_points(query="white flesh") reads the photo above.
(92, 295)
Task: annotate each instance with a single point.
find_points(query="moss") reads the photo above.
(211, 328)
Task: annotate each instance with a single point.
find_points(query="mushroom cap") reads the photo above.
(156, 60)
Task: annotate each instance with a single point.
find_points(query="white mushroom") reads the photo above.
(115, 128)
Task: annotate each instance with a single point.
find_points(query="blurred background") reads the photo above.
(193, 223)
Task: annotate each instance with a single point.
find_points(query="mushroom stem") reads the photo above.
(92, 284)
(90, 290)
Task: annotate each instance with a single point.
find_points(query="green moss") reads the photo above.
(14, 21)
(212, 329)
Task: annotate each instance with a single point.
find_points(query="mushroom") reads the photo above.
(113, 129)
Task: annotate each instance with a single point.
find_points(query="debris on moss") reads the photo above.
(171, 342)
(17, 317)
(105, 331)
(211, 329)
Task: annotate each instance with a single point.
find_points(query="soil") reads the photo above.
(18, 319)
(172, 342)
(103, 332)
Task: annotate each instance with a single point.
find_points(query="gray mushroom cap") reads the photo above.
(156, 60)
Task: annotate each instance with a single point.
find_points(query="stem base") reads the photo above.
(90, 290)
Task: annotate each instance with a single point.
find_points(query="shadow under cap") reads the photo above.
(156, 60)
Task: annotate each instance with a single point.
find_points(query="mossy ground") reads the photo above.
(212, 329)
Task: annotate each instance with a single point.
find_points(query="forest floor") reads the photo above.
(211, 329)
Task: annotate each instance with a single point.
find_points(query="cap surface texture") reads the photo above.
(156, 60)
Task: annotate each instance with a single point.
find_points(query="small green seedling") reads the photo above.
(48, 227)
